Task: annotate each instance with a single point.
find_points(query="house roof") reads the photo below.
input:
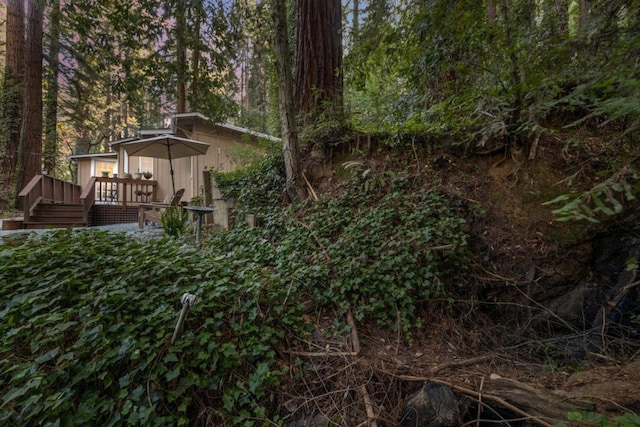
(113, 155)
(234, 128)
(146, 133)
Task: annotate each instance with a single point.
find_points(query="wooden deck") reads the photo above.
(50, 202)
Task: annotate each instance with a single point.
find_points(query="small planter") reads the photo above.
(126, 176)
(138, 175)
(105, 174)
(12, 224)
(147, 175)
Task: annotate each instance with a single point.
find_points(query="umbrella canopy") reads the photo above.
(166, 147)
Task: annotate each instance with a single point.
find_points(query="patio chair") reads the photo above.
(150, 212)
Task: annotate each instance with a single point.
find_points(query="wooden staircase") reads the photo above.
(49, 214)
(48, 202)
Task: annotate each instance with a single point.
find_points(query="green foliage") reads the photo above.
(596, 419)
(604, 199)
(259, 187)
(80, 349)
(384, 250)
(94, 348)
(175, 221)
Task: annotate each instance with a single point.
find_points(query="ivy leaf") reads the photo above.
(47, 356)
(172, 374)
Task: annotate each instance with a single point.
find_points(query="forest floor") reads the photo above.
(490, 345)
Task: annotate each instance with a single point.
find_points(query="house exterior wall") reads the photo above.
(83, 173)
(86, 168)
(229, 151)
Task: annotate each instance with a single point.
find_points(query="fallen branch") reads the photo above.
(355, 341)
(321, 353)
(534, 148)
(514, 396)
(460, 363)
(494, 399)
(368, 406)
(313, 193)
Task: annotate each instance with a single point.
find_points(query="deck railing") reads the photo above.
(117, 191)
(47, 188)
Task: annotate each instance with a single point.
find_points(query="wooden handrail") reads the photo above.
(119, 191)
(45, 187)
(87, 198)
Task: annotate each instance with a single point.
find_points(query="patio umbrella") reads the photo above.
(166, 147)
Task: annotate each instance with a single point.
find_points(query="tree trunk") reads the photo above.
(516, 79)
(30, 151)
(286, 107)
(318, 79)
(356, 18)
(12, 96)
(181, 56)
(492, 12)
(51, 107)
(583, 6)
(195, 54)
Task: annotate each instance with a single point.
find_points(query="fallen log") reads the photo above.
(547, 405)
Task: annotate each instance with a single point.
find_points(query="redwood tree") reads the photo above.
(318, 77)
(52, 75)
(286, 104)
(12, 94)
(30, 150)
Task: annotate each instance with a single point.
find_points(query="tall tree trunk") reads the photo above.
(318, 79)
(12, 97)
(492, 12)
(356, 18)
(286, 107)
(583, 6)
(516, 79)
(51, 102)
(195, 55)
(562, 10)
(181, 55)
(30, 151)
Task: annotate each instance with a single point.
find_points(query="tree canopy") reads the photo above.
(467, 72)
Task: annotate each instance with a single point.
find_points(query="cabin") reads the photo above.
(109, 187)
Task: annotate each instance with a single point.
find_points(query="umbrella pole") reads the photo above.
(173, 182)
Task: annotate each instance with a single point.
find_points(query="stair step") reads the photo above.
(62, 219)
(49, 224)
(58, 207)
(50, 214)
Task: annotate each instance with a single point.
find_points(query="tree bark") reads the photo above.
(492, 12)
(195, 59)
(356, 18)
(51, 107)
(30, 151)
(181, 55)
(12, 96)
(318, 79)
(286, 105)
(583, 6)
(516, 79)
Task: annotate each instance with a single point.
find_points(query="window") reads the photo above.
(101, 165)
(142, 164)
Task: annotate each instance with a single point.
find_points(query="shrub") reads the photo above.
(87, 320)
(175, 221)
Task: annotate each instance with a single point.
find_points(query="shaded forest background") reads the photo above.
(468, 74)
